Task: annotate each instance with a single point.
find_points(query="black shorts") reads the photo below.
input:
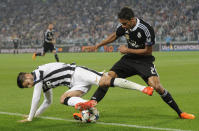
(127, 67)
(48, 47)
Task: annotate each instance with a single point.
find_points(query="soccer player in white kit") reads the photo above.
(79, 80)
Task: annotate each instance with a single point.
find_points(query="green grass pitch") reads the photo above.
(120, 109)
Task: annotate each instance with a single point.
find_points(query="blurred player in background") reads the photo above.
(49, 43)
(15, 41)
(78, 79)
(138, 58)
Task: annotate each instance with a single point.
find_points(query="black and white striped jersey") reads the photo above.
(54, 74)
(49, 36)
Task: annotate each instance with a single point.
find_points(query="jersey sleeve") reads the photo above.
(47, 37)
(35, 100)
(120, 31)
(150, 38)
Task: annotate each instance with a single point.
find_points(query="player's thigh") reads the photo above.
(54, 51)
(74, 92)
(146, 70)
(85, 77)
(47, 47)
(122, 69)
(52, 48)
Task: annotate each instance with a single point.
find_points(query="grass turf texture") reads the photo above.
(178, 74)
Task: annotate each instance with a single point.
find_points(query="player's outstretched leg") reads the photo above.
(35, 55)
(56, 57)
(148, 90)
(126, 84)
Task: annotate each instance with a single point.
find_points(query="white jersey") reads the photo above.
(54, 74)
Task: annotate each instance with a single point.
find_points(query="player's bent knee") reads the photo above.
(62, 99)
(112, 74)
(66, 100)
(105, 81)
(155, 83)
(75, 93)
(158, 88)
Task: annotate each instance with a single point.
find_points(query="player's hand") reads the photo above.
(123, 49)
(91, 48)
(53, 41)
(24, 121)
(25, 116)
(94, 48)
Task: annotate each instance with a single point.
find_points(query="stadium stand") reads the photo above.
(89, 21)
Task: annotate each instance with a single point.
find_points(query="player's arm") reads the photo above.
(46, 103)
(54, 38)
(47, 40)
(146, 51)
(53, 41)
(149, 42)
(35, 102)
(112, 37)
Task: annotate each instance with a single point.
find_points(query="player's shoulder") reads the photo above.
(120, 30)
(47, 31)
(119, 25)
(144, 25)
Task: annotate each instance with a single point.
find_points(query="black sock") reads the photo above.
(38, 54)
(112, 82)
(66, 100)
(99, 93)
(170, 101)
(56, 57)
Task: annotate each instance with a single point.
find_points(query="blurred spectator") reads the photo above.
(89, 21)
(168, 40)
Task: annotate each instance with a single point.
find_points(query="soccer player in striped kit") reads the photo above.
(79, 80)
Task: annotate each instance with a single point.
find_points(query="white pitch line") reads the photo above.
(101, 123)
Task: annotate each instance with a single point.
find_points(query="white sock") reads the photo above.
(126, 84)
(74, 100)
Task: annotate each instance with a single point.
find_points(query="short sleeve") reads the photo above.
(120, 31)
(150, 39)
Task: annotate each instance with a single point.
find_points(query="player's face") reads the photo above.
(28, 82)
(127, 24)
(50, 27)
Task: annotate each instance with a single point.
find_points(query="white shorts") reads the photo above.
(83, 78)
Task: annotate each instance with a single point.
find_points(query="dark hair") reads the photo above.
(20, 79)
(126, 13)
